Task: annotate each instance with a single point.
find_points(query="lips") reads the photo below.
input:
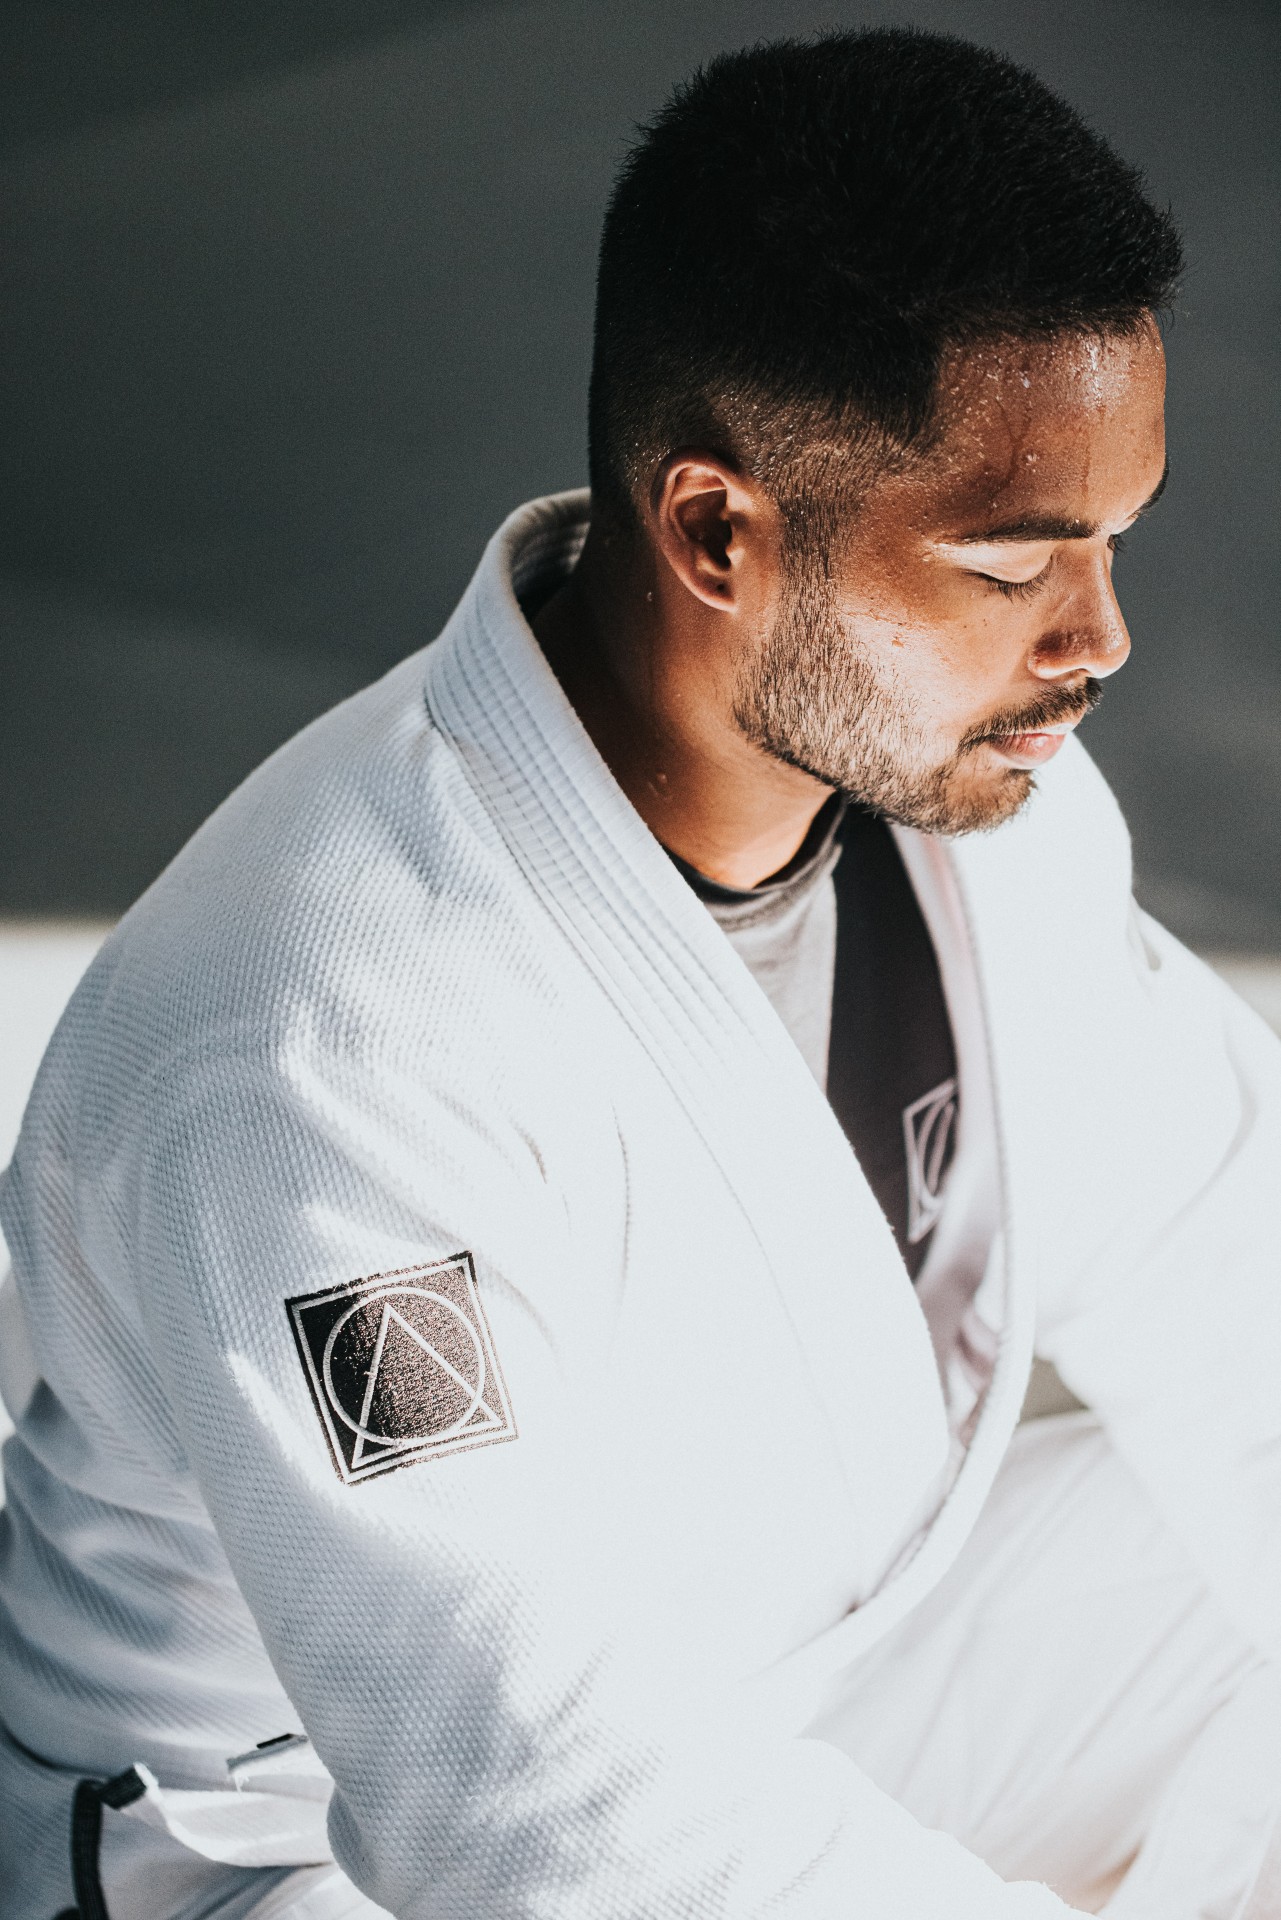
(1030, 749)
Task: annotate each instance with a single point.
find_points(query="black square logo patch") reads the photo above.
(402, 1367)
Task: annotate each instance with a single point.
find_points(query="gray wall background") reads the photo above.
(296, 304)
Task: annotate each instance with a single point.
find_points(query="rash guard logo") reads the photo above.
(402, 1367)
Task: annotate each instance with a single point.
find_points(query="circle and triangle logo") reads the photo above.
(401, 1366)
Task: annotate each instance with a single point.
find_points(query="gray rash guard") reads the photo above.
(785, 933)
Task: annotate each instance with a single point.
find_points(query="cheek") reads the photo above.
(977, 660)
(946, 653)
(944, 672)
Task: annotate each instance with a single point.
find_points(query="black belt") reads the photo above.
(91, 1796)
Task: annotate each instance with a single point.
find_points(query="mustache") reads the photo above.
(1050, 709)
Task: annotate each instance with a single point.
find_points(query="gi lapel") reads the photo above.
(693, 1006)
(967, 922)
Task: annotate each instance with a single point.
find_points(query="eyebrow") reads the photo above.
(1048, 526)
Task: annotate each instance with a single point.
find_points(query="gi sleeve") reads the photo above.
(507, 1735)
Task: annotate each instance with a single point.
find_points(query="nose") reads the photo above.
(1089, 634)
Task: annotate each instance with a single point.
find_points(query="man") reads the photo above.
(487, 1412)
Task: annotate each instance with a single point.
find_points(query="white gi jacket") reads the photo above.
(426, 985)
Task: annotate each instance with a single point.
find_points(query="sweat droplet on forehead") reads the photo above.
(1069, 429)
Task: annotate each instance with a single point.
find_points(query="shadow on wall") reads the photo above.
(120, 733)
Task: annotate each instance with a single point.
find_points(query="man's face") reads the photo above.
(971, 616)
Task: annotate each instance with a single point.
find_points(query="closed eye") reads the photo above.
(1016, 569)
(1016, 589)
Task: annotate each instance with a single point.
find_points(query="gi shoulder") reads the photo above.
(350, 906)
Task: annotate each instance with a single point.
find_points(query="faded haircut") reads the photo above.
(806, 228)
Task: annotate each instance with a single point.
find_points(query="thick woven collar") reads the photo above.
(698, 1012)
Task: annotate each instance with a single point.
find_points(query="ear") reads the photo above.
(717, 531)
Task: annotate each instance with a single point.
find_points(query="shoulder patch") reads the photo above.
(401, 1367)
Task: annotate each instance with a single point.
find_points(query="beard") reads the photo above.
(811, 699)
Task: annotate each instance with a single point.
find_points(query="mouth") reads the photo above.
(1030, 749)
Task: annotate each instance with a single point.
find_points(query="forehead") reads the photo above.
(1072, 425)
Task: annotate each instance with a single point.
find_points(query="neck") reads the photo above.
(648, 671)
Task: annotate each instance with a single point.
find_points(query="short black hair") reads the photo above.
(806, 227)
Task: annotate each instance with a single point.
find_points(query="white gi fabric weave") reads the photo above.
(425, 984)
(1072, 1696)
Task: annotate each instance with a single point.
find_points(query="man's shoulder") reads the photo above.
(353, 896)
